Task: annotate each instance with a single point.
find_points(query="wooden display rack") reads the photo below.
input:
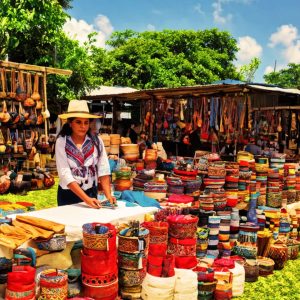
(42, 72)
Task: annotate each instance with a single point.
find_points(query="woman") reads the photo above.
(80, 159)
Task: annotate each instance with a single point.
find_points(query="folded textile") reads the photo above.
(139, 198)
(42, 223)
(34, 231)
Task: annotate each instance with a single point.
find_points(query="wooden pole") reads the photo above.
(45, 103)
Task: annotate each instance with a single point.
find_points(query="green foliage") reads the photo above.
(41, 198)
(170, 58)
(70, 55)
(282, 285)
(32, 27)
(31, 32)
(247, 71)
(287, 78)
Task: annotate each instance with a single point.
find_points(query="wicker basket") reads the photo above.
(206, 290)
(98, 241)
(266, 266)
(134, 244)
(114, 149)
(106, 139)
(279, 253)
(115, 139)
(251, 270)
(293, 249)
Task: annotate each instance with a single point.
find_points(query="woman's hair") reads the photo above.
(67, 131)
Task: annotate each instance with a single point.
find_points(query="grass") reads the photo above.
(41, 198)
(282, 285)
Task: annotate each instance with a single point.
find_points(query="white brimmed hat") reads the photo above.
(78, 109)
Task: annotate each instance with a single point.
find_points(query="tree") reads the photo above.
(247, 71)
(33, 28)
(170, 58)
(70, 55)
(31, 32)
(286, 78)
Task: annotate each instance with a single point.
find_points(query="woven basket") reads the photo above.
(132, 245)
(53, 284)
(279, 253)
(206, 289)
(293, 249)
(251, 270)
(130, 148)
(97, 241)
(114, 149)
(115, 139)
(106, 139)
(266, 266)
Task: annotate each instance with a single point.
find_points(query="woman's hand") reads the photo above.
(112, 200)
(93, 202)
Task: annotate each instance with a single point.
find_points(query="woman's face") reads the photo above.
(80, 126)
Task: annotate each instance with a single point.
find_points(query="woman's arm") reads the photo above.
(105, 183)
(104, 174)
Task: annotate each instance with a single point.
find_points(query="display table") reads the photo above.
(75, 215)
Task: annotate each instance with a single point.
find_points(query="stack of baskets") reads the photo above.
(183, 240)
(157, 247)
(115, 141)
(106, 141)
(132, 255)
(150, 159)
(99, 261)
(130, 152)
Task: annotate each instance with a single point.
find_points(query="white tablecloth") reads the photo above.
(74, 216)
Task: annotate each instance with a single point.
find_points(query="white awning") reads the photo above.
(111, 90)
(274, 89)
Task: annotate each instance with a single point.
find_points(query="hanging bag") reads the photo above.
(4, 115)
(20, 91)
(29, 102)
(35, 95)
(15, 117)
(40, 119)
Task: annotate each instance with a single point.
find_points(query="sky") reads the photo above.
(267, 29)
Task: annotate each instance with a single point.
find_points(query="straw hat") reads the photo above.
(78, 109)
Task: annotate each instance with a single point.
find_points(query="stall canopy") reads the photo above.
(128, 94)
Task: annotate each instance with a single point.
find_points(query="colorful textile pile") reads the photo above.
(99, 261)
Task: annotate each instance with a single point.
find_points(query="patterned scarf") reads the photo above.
(79, 157)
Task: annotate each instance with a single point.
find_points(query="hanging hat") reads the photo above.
(78, 109)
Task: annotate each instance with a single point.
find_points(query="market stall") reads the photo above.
(221, 112)
(24, 141)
